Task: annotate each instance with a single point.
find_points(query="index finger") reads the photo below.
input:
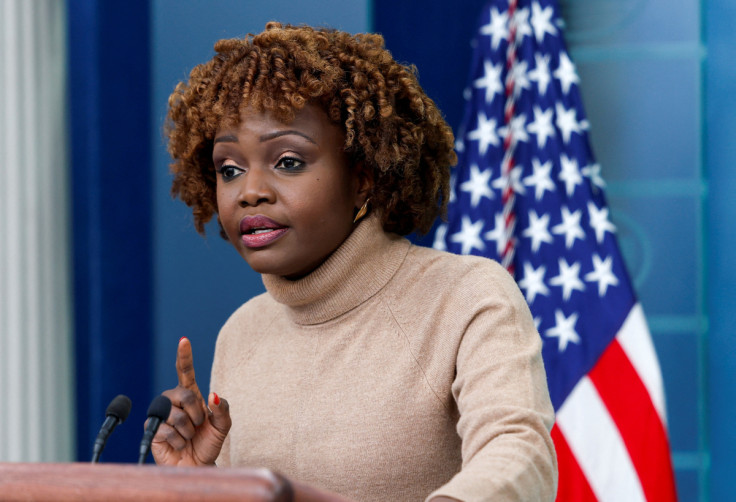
(185, 367)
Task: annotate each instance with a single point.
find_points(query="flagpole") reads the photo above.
(507, 164)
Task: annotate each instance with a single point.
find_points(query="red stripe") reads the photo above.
(572, 485)
(643, 433)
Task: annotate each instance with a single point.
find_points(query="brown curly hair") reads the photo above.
(390, 124)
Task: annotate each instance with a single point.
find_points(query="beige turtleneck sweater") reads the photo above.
(391, 373)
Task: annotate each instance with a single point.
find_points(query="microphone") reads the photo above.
(116, 413)
(158, 412)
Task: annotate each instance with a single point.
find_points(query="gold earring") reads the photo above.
(361, 212)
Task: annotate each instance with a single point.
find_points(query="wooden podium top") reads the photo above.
(128, 482)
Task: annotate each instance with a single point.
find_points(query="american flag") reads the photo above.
(528, 192)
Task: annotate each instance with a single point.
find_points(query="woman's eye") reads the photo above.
(290, 164)
(228, 171)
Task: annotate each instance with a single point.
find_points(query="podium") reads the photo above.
(127, 482)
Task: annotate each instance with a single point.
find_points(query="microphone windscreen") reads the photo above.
(119, 407)
(160, 408)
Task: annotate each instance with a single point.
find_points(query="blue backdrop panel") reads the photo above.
(720, 151)
(110, 159)
(435, 36)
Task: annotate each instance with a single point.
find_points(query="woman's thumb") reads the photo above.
(220, 418)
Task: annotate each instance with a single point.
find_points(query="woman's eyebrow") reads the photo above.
(227, 139)
(278, 134)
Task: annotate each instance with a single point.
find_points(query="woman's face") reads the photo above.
(286, 194)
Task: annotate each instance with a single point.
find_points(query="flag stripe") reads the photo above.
(631, 409)
(572, 484)
(636, 342)
(596, 443)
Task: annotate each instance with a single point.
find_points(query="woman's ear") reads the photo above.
(364, 181)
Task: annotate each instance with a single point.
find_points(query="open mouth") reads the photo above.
(258, 231)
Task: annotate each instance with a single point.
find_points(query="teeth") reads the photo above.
(261, 231)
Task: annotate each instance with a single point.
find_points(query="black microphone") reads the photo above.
(158, 412)
(116, 413)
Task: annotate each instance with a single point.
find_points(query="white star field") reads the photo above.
(561, 222)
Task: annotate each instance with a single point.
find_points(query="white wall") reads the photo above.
(36, 384)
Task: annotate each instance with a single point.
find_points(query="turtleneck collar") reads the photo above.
(356, 271)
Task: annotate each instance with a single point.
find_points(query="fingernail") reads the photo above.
(216, 399)
(182, 338)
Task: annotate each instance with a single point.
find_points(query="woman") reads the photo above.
(370, 367)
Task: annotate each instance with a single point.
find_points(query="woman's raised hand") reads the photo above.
(195, 430)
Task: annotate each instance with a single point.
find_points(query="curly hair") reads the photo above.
(390, 124)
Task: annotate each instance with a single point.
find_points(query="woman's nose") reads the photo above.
(256, 188)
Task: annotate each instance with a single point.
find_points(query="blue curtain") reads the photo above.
(109, 98)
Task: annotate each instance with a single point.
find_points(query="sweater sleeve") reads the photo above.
(505, 411)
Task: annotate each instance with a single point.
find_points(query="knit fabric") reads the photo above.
(392, 372)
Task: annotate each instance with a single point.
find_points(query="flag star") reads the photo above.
(542, 126)
(514, 180)
(469, 236)
(570, 227)
(498, 234)
(485, 134)
(564, 330)
(541, 74)
(566, 121)
(537, 230)
(570, 174)
(521, 20)
(517, 127)
(540, 180)
(533, 282)
(599, 221)
(490, 81)
(497, 27)
(439, 237)
(569, 279)
(477, 185)
(566, 73)
(537, 322)
(603, 274)
(542, 21)
(593, 172)
(453, 197)
(521, 79)
(459, 145)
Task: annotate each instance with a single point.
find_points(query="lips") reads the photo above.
(258, 231)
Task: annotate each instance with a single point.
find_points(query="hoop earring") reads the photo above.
(361, 212)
